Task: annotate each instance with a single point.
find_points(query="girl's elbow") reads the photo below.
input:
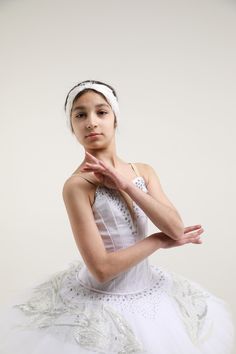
(179, 233)
(102, 273)
(106, 274)
(101, 277)
(177, 229)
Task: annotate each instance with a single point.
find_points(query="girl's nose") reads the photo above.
(92, 122)
(89, 125)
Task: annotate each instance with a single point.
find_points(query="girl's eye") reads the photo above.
(79, 115)
(102, 112)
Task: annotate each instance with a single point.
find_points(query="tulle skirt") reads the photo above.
(174, 315)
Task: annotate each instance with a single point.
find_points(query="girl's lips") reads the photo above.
(93, 135)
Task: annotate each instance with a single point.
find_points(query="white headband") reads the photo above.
(105, 90)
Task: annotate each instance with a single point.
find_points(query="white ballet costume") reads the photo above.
(145, 309)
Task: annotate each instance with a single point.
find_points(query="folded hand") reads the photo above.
(191, 235)
(107, 175)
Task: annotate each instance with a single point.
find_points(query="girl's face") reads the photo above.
(92, 114)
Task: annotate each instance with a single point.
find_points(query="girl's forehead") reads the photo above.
(90, 98)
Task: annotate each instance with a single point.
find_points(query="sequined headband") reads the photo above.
(105, 90)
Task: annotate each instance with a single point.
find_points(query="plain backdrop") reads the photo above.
(172, 64)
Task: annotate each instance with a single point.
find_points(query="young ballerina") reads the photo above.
(114, 301)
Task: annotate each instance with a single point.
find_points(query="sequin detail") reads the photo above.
(118, 202)
(104, 329)
(94, 325)
(191, 300)
(145, 303)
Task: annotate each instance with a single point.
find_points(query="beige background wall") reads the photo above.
(173, 66)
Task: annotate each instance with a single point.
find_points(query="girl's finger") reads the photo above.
(197, 241)
(91, 156)
(92, 164)
(102, 163)
(199, 231)
(191, 228)
(87, 153)
(193, 234)
(196, 236)
(193, 239)
(94, 168)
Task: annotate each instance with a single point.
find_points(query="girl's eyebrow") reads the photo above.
(82, 107)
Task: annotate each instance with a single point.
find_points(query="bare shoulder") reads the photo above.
(80, 186)
(72, 185)
(146, 171)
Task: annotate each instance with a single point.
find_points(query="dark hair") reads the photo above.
(93, 82)
(87, 89)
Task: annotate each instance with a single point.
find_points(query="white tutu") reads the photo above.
(173, 316)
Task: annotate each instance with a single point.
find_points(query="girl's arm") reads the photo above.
(156, 205)
(103, 265)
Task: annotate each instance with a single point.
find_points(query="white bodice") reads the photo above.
(119, 229)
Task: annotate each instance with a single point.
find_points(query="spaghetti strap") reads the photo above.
(134, 167)
(77, 174)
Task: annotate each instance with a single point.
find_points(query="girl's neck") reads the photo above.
(108, 158)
